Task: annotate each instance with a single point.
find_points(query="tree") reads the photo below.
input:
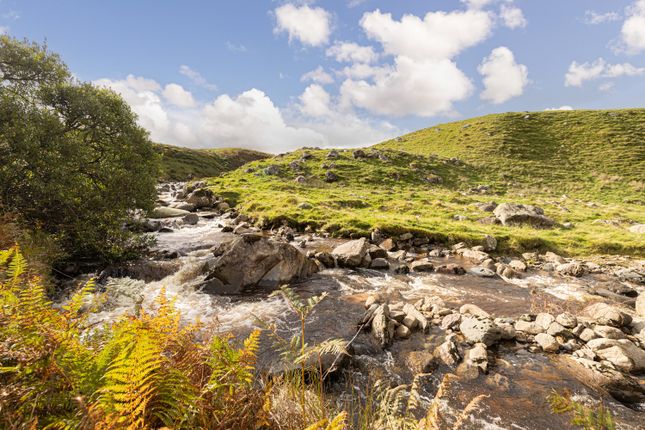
(73, 160)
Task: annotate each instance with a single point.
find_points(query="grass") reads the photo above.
(180, 164)
(562, 161)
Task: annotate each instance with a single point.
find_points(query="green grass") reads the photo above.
(180, 164)
(525, 161)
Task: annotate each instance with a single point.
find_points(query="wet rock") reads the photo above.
(201, 198)
(477, 356)
(183, 206)
(574, 269)
(517, 214)
(402, 332)
(190, 219)
(482, 272)
(351, 254)
(388, 245)
(447, 352)
(567, 320)
(620, 352)
(451, 269)
(609, 332)
(451, 321)
(422, 266)
(166, 212)
(547, 342)
(605, 314)
(517, 265)
(380, 325)
(469, 309)
(326, 259)
(471, 254)
(253, 260)
(377, 252)
(506, 327)
(490, 265)
(414, 318)
(380, 264)
(477, 329)
(222, 206)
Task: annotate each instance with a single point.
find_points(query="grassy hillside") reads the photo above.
(591, 154)
(596, 187)
(180, 164)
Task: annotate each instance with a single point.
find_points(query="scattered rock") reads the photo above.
(574, 269)
(477, 329)
(422, 266)
(567, 320)
(517, 214)
(380, 264)
(552, 257)
(469, 309)
(450, 321)
(190, 219)
(351, 254)
(490, 243)
(547, 342)
(451, 269)
(477, 356)
(621, 352)
(482, 272)
(637, 228)
(166, 212)
(331, 177)
(605, 314)
(447, 352)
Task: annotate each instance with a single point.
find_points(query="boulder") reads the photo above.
(477, 329)
(529, 327)
(201, 198)
(326, 259)
(451, 269)
(567, 320)
(471, 254)
(190, 219)
(477, 356)
(637, 228)
(517, 265)
(605, 314)
(552, 257)
(482, 272)
(450, 321)
(517, 214)
(330, 176)
(253, 260)
(421, 266)
(490, 243)
(379, 264)
(351, 254)
(620, 352)
(640, 305)
(412, 314)
(547, 342)
(447, 352)
(469, 309)
(166, 212)
(574, 269)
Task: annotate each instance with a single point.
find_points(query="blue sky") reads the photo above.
(277, 75)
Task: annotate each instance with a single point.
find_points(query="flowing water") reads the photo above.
(515, 388)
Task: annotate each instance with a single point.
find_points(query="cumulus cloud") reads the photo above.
(503, 77)
(249, 119)
(512, 16)
(318, 75)
(351, 52)
(310, 25)
(578, 73)
(477, 4)
(594, 18)
(178, 96)
(633, 30)
(566, 107)
(196, 77)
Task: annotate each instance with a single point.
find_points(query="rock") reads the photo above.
(517, 265)
(359, 153)
(621, 352)
(553, 258)
(412, 312)
(450, 321)
(516, 214)
(422, 266)
(630, 275)
(544, 320)
(574, 269)
(509, 273)
(223, 206)
(477, 329)
(506, 327)
(640, 305)
(587, 334)
(486, 206)
(305, 205)
(351, 254)
(529, 327)
(380, 264)
(331, 176)
(402, 332)
(567, 320)
(477, 356)
(183, 206)
(376, 252)
(190, 219)
(380, 326)
(447, 352)
(609, 332)
(556, 329)
(605, 314)
(471, 254)
(406, 236)
(253, 260)
(166, 212)
(451, 269)
(300, 179)
(272, 170)
(482, 272)
(637, 228)
(490, 243)
(201, 198)
(388, 245)
(326, 259)
(547, 342)
(469, 309)
(333, 154)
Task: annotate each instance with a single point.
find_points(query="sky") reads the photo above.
(279, 75)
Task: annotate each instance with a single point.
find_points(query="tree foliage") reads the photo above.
(73, 160)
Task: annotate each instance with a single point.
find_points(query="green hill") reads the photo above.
(584, 168)
(180, 164)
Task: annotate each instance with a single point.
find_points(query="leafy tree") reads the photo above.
(73, 160)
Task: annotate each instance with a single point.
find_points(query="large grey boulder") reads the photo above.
(351, 254)
(605, 314)
(253, 260)
(477, 329)
(516, 214)
(622, 353)
(167, 212)
(201, 198)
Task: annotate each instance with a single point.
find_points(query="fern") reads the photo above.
(599, 418)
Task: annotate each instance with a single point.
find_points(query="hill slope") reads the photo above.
(592, 154)
(596, 159)
(180, 164)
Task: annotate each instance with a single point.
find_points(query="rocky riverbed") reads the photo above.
(466, 321)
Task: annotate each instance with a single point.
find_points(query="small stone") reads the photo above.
(517, 265)
(483, 272)
(547, 342)
(490, 243)
(528, 327)
(380, 264)
(566, 320)
(422, 266)
(556, 329)
(609, 332)
(450, 321)
(469, 309)
(574, 269)
(587, 334)
(544, 320)
(403, 332)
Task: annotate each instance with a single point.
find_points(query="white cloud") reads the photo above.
(439, 35)
(578, 73)
(315, 101)
(411, 87)
(594, 18)
(354, 3)
(364, 71)
(317, 75)
(235, 47)
(196, 78)
(633, 30)
(352, 52)
(606, 86)
(178, 96)
(566, 107)
(503, 77)
(512, 16)
(477, 4)
(311, 26)
(249, 120)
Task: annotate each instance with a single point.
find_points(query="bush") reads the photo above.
(73, 160)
